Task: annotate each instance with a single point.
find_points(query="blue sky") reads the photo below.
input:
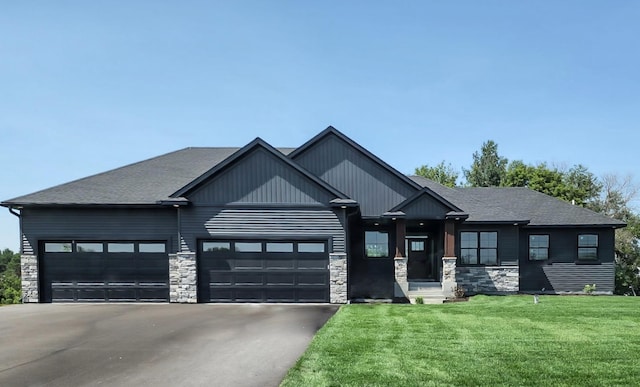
(90, 86)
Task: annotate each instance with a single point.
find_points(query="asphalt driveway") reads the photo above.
(154, 345)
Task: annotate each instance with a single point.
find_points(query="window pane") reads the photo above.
(89, 247)
(311, 247)
(489, 239)
(57, 247)
(588, 240)
(151, 247)
(488, 257)
(538, 241)
(120, 247)
(376, 244)
(468, 240)
(469, 256)
(279, 247)
(216, 246)
(538, 254)
(417, 245)
(248, 247)
(588, 253)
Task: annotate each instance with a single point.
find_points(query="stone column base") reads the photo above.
(401, 284)
(183, 284)
(29, 270)
(338, 278)
(449, 283)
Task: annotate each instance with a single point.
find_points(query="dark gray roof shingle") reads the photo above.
(143, 183)
(500, 204)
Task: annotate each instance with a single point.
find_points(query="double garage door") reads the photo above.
(263, 271)
(228, 271)
(104, 271)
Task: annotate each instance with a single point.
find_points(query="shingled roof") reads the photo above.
(517, 204)
(143, 183)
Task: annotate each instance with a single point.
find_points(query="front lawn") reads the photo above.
(562, 341)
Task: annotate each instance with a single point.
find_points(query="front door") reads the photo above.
(419, 265)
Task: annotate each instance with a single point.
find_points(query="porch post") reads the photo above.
(401, 285)
(449, 259)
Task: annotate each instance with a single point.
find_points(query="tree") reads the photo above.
(488, 168)
(10, 292)
(441, 173)
(617, 194)
(577, 185)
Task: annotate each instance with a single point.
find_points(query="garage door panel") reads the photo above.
(91, 276)
(281, 278)
(263, 271)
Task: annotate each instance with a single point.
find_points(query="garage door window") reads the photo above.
(120, 247)
(57, 247)
(216, 246)
(89, 247)
(310, 247)
(273, 247)
(248, 247)
(152, 248)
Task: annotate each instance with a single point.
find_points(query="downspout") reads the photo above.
(179, 241)
(13, 212)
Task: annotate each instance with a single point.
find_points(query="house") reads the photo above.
(325, 222)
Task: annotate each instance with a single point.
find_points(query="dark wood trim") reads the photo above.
(401, 233)
(449, 238)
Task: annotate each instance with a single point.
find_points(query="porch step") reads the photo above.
(431, 292)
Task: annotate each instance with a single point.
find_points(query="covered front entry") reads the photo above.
(73, 271)
(421, 265)
(278, 270)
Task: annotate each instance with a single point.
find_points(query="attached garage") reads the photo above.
(275, 270)
(97, 271)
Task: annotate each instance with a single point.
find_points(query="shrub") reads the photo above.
(419, 300)
(589, 289)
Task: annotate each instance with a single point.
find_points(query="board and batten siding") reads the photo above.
(562, 272)
(425, 207)
(204, 222)
(375, 188)
(97, 224)
(260, 177)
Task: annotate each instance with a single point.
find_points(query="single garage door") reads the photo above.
(104, 271)
(263, 271)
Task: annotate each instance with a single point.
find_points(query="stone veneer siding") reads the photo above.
(338, 278)
(401, 285)
(488, 279)
(449, 283)
(183, 282)
(29, 270)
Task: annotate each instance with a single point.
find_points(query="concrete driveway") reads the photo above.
(154, 345)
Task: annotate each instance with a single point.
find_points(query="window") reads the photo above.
(280, 247)
(538, 247)
(588, 247)
(479, 248)
(83, 247)
(216, 246)
(248, 247)
(119, 247)
(311, 247)
(57, 247)
(376, 244)
(151, 247)
(417, 245)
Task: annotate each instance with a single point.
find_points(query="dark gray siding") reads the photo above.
(260, 177)
(507, 240)
(562, 272)
(375, 188)
(202, 222)
(97, 224)
(425, 207)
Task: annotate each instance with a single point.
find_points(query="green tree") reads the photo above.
(441, 173)
(488, 168)
(617, 194)
(10, 289)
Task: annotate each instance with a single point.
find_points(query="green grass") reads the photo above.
(488, 341)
